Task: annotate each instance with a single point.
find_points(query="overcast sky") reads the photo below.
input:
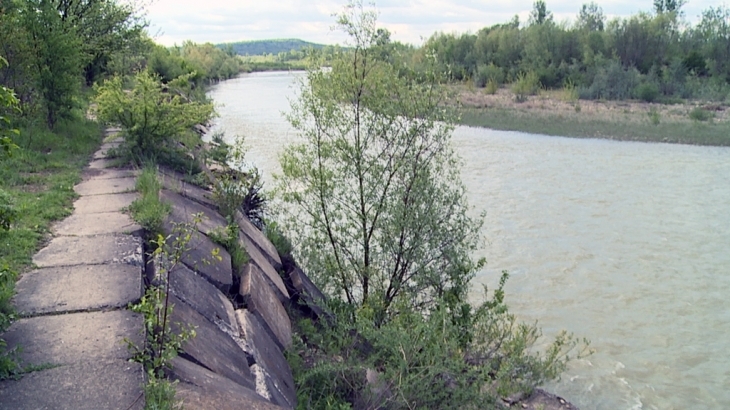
(410, 21)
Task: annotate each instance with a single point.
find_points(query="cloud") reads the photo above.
(409, 20)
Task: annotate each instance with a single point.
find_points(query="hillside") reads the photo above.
(261, 47)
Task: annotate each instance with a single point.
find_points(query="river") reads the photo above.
(625, 243)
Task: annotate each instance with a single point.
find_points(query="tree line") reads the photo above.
(647, 55)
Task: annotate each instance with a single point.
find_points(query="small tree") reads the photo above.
(151, 114)
(374, 189)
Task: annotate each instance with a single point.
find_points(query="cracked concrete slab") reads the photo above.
(79, 224)
(76, 288)
(109, 173)
(98, 186)
(99, 385)
(75, 337)
(90, 250)
(104, 203)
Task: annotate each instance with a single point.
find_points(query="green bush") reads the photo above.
(486, 73)
(491, 87)
(612, 82)
(654, 116)
(525, 85)
(8, 213)
(647, 92)
(700, 114)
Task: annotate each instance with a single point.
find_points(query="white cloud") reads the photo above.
(409, 20)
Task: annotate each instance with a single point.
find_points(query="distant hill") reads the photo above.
(261, 47)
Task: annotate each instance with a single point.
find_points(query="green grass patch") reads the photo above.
(585, 126)
(148, 210)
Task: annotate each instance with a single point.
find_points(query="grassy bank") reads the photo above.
(551, 114)
(38, 183)
(271, 63)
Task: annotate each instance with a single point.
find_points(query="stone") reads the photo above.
(200, 258)
(77, 288)
(267, 354)
(200, 389)
(307, 294)
(183, 210)
(96, 204)
(96, 224)
(174, 182)
(74, 337)
(205, 298)
(102, 173)
(259, 239)
(98, 186)
(262, 301)
(272, 276)
(92, 385)
(211, 347)
(90, 250)
(100, 164)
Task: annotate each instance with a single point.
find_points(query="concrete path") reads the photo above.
(73, 306)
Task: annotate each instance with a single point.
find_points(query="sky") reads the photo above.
(409, 21)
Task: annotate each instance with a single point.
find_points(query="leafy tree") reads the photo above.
(8, 105)
(540, 13)
(668, 6)
(374, 189)
(152, 115)
(591, 18)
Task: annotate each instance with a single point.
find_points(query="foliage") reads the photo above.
(487, 73)
(159, 394)
(373, 192)
(8, 211)
(700, 114)
(491, 87)
(415, 361)
(8, 104)
(612, 82)
(654, 116)
(647, 92)
(525, 85)
(151, 115)
(263, 47)
(148, 210)
(228, 239)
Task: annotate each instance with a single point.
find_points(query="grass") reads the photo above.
(148, 210)
(271, 63)
(39, 177)
(583, 125)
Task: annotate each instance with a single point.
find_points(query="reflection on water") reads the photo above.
(624, 243)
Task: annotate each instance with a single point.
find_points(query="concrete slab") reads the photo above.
(211, 347)
(109, 173)
(259, 239)
(174, 182)
(94, 204)
(96, 385)
(100, 164)
(90, 250)
(306, 296)
(200, 258)
(267, 354)
(77, 288)
(205, 298)
(183, 210)
(97, 186)
(201, 389)
(75, 337)
(272, 276)
(96, 224)
(103, 151)
(262, 301)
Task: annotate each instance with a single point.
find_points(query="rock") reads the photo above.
(76, 288)
(173, 181)
(201, 389)
(259, 240)
(266, 353)
(205, 298)
(199, 258)
(272, 276)
(183, 210)
(211, 347)
(262, 301)
(307, 295)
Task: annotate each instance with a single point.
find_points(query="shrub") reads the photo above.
(570, 92)
(700, 114)
(241, 191)
(491, 87)
(8, 213)
(486, 73)
(612, 82)
(647, 92)
(654, 116)
(525, 85)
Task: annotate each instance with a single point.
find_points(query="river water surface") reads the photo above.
(625, 243)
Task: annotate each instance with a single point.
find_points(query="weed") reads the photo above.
(159, 394)
(148, 210)
(525, 85)
(699, 114)
(228, 238)
(654, 116)
(491, 87)
(570, 92)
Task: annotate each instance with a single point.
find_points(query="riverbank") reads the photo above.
(551, 113)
